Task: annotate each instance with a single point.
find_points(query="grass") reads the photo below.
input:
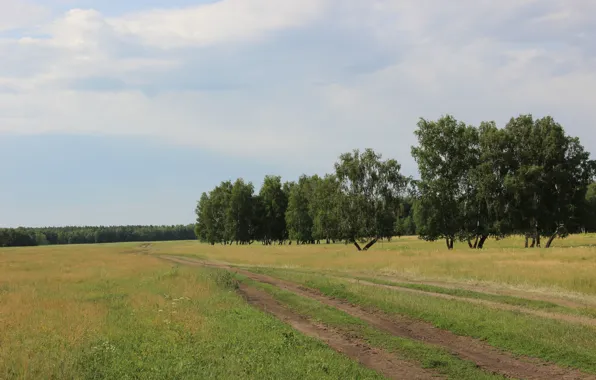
(566, 269)
(88, 312)
(499, 298)
(427, 356)
(562, 343)
(117, 311)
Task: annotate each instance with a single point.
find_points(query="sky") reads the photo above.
(124, 112)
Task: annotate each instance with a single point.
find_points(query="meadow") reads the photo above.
(405, 309)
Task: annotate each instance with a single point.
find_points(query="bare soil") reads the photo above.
(484, 355)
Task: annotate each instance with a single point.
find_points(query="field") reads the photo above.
(405, 309)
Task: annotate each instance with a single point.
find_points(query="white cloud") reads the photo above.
(223, 21)
(15, 14)
(480, 60)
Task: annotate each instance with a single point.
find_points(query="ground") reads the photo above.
(405, 309)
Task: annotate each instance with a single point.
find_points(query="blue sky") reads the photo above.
(120, 112)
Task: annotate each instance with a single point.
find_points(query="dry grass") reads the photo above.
(51, 301)
(569, 268)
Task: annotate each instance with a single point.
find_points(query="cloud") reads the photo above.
(301, 81)
(16, 14)
(220, 22)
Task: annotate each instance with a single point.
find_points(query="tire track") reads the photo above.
(388, 365)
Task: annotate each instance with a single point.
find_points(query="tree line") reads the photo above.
(528, 178)
(20, 237)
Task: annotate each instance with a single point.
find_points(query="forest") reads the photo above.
(22, 237)
(528, 178)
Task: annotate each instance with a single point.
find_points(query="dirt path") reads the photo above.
(388, 365)
(485, 356)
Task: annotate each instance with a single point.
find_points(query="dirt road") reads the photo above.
(485, 356)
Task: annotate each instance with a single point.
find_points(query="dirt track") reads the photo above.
(389, 365)
(485, 356)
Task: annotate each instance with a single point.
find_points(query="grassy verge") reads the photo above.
(562, 343)
(464, 293)
(428, 356)
(499, 298)
(132, 317)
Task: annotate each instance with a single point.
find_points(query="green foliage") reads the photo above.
(369, 194)
(21, 237)
(589, 210)
(446, 155)
(298, 218)
(275, 203)
(529, 178)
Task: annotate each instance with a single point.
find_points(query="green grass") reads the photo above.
(236, 341)
(109, 316)
(499, 298)
(562, 343)
(427, 356)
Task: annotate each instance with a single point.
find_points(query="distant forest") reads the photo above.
(21, 237)
(528, 178)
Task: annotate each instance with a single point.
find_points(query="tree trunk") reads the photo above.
(476, 242)
(370, 244)
(550, 240)
(357, 245)
(533, 243)
(470, 243)
(449, 243)
(537, 240)
(527, 242)
(482, 241)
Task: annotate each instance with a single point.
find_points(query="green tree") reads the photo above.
(547, 181)
(239, 213)
(589, 214)
(324, 208)
(369, 190)
(275, 204)
(447, 154)
(298, 219)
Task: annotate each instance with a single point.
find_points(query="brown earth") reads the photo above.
(389, 365)
(484, 355)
